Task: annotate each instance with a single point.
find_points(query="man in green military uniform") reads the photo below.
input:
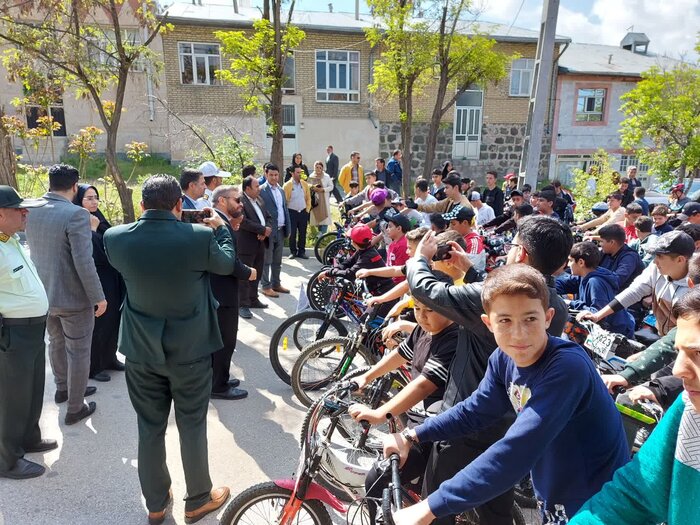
(168, 332)
(23, 308)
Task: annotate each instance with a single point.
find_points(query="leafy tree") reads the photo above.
(256, 64)
(405, 64)
(663, 120)
(80, 45)
(595, 184)
(463, 60)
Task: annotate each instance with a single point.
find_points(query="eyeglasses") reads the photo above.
(235, 199)
(91, 199)
(507, 246)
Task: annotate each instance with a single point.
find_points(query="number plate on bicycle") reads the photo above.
(601, 342)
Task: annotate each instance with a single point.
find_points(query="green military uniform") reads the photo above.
(23, 307)
(168, 332)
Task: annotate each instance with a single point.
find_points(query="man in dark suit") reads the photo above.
(275, 201)
(227, 203)
(253, 238)
(193, 188)
(332, 170)
(168, 332)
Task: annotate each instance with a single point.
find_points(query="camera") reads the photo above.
(443, 252)
(195, 216)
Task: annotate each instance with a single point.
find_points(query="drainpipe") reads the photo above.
(149, 79)
(357, 9)
(370, 116)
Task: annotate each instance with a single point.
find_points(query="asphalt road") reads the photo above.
(91, 478)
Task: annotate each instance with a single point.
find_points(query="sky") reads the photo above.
(671, 25)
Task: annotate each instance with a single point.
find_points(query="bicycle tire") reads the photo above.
(303, 388)
(333, 250)
(249, 498)
(283, 366)
(322, 243)
(319, 291)
(524, 494)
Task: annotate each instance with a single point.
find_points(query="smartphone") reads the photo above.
(443, 252)
(195, 216)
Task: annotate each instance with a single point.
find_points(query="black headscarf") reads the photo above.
(78, 200)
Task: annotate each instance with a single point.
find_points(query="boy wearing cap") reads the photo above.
(665, 281)
(690, 213)
(511, 183)
(516, 199)
(484, 212)
(461, 220)
(213, 178)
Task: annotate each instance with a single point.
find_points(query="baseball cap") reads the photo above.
(459, 213)
(209, 169)
(401, 221)
(474, 196)
(690, 209)
(676, 242)
(9, 198)
(678, 187)
(379, 196)
(361, 234)
(510, 176)
(516, 193)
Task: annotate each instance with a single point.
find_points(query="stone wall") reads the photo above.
(501, 148)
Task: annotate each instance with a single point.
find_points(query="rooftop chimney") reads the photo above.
(635, 42)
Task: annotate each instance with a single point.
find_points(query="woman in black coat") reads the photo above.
(103, 355)
(296, 161)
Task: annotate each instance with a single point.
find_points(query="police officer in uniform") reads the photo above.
(23, 309)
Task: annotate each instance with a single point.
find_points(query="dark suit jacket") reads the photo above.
(269, 199)
(248, 243)
(332, 165)
(169, 313)
(225, 287)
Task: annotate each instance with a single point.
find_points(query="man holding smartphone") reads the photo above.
(168, 333)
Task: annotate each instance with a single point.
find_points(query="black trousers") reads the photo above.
(221, 359)
(299, 221)
(448, 458)
(336, 192)
(248, 290)
(22, 373)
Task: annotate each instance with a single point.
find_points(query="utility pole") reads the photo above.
(537, 112)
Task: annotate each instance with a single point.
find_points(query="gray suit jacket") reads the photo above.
(271, 206)
(60, 243)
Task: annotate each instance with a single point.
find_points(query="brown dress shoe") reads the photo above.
(269, 292)
(218, 498)
(156, 518)
(280, 289)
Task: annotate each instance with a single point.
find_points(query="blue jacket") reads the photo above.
(271, 207)
(593, 293)
(394, 167)
(626, 264)
(644, 204)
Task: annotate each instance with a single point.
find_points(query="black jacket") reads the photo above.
(364, 259)
(225, 287)
(462, 304)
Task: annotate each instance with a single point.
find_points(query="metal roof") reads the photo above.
(224, 16)
(609, 60)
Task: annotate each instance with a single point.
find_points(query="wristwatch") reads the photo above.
(409, 436)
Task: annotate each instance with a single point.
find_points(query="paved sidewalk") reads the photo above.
(92, 479)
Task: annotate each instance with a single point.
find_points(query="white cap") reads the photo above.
(209, 169)
(475, 196)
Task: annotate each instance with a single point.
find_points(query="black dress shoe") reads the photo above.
(61, 396)
(258, 304)
(23, 469)
(42, 446)
(302, 256)
(245, 313)
(233, 382)
(102, 377)
(231, 393)
(86, 411)
(117, 366)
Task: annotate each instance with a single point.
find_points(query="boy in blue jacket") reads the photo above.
(594, 287)
(567, 432)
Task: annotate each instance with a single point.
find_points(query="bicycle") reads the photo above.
(325, 239)
(308, 326)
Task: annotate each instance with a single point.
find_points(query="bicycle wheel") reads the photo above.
(297, 332)
(262, 505)
(320, 364)
(319, 291)
(337, 249)
(322, 243)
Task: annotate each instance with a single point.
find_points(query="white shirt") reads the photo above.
(430, 199)
(484, 214)
(205, 201)
(258, 211)
(22, 293)
(297, 202)
(279, 203)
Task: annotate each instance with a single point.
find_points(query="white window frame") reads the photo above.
(99, 52)
(210, 81)
(586, 114)
(351, 96)
(631, 160)
(529, 64)
(286, 88)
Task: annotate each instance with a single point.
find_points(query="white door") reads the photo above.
(289, 129)
(467, 126)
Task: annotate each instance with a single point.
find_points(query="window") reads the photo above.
(198, 62)
(103, 48)
(521, 77)
(590, 105)
(337, 76)
(55, 111)
(289, 75)
(631, 160)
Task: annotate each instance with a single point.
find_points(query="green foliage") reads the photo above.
(229, 153)
(663, 120)
(253, 65)
(595, 184)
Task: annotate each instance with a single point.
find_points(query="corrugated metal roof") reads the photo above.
(223, 16)
(596, 59)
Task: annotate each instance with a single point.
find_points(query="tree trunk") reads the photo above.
(277, 152)
(8, 161)
(125, 193)
(435, 126)
(406, 107)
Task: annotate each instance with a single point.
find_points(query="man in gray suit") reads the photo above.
(332, 170)
(60, 241)
(276, 204)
